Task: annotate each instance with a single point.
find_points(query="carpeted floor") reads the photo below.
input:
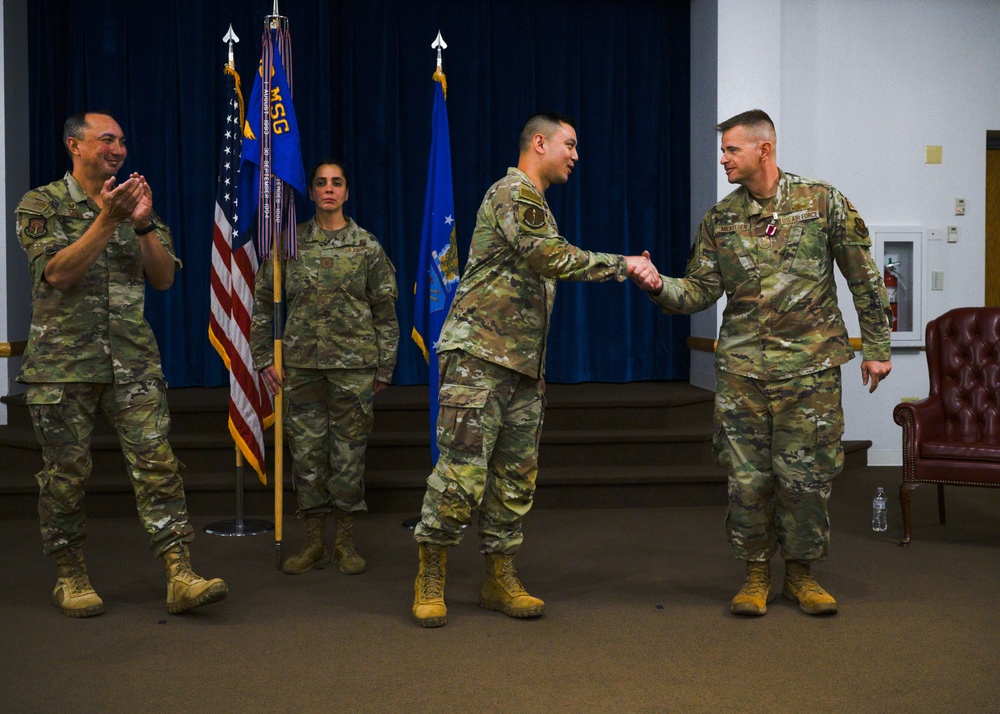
(637, 621)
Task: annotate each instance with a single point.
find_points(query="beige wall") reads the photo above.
(857, 89)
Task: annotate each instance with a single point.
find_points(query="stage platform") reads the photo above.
(603, 445)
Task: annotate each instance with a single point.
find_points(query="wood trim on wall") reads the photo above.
(992, 228)
(707, 344)
(12, 349)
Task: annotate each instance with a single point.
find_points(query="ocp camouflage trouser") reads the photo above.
(488, 429)
(329, 415)
(780, 442)
(64, 416)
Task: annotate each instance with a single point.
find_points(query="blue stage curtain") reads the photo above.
(363, 92)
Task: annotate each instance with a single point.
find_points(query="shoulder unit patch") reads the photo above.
(36, 228)
(534, 217)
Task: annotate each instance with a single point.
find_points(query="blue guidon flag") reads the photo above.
(437, 270)
(272, 155)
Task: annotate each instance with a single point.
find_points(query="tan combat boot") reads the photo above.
(185, 589)
(347, 558)
(756, 591)
(503, 591)
(74, 594)
(428, 597)
(802, 587)
(313, 551)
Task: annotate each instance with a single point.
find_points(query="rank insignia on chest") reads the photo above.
(35, 228)
(534, 217)
(326, 262)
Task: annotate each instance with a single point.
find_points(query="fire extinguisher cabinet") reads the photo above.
(898, 251)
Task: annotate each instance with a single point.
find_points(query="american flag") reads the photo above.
(234, 265)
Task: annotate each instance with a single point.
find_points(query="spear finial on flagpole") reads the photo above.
(439, 44)
(231, 38)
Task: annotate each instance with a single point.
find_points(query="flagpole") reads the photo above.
(276, 21)
(238, 526)
(279, 412)
(272, 151)
(423, 320)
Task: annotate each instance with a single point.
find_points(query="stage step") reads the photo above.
(603, 445)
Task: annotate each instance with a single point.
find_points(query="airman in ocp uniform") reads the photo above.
(770, 246)
(339, 345)
(491, 356)
(92, 245)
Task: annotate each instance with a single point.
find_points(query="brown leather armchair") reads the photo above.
(953, 436)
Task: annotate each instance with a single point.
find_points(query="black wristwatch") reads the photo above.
(148, 229)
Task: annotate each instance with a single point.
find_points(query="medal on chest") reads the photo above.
(769, 231)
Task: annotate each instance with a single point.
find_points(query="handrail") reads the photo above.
(12, 349)
(707, 344)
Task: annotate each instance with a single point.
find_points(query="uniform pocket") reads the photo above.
(459, 424)
(347, 271)
(44, 394)
(811, 258)
(54, 424)
(829, 449)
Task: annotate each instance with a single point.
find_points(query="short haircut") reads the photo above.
(544, 123)
(77, 123)
(756, 119)
(330, 162)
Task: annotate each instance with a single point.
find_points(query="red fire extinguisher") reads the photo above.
(891, 285)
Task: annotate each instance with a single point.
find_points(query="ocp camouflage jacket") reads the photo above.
(503, 305)
(341, 295)
(781, 317)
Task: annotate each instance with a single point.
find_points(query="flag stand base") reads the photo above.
(239, 526)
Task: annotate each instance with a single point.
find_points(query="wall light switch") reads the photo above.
(959, 206)
(937, 280)
(933, 154)
(953, 234)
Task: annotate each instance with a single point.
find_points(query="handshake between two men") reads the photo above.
(643, 273)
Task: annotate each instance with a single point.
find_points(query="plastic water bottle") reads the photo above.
(879, 505)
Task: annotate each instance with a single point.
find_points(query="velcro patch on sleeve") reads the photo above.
(36, 227)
